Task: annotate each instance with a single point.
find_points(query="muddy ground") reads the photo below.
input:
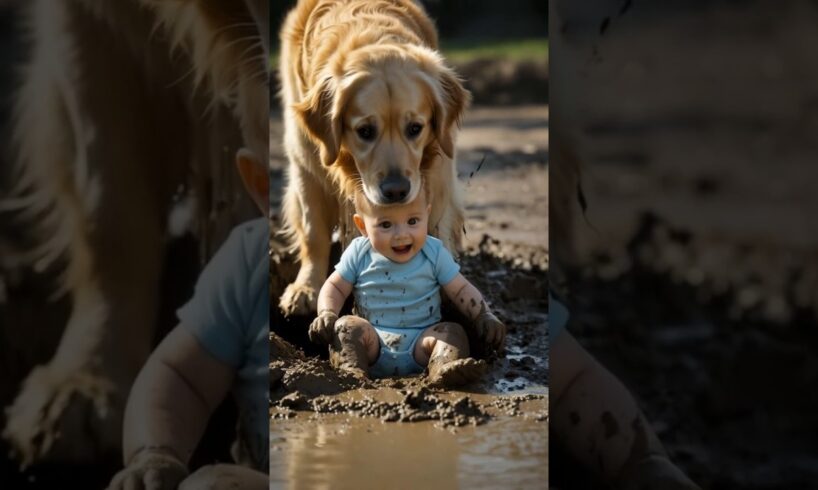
(502, 162)
(696, 123)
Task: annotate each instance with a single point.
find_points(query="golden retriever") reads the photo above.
(368, 102)
(120, 104)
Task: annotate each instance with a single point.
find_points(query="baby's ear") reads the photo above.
(359, 223)
(255, 177)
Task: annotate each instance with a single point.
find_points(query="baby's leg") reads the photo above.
(444, 349)
(354, 346)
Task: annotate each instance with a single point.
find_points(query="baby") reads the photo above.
(220, 346)
(396, 272)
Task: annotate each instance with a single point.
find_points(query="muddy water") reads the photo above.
(344, 451)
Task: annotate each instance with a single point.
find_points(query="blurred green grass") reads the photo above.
(465, 50)
(461, 51)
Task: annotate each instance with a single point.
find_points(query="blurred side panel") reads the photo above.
(690, 129)
(120, 125)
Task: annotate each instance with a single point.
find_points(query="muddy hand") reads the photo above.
(150, 469)
(490, 330)
(322, 328)
(656, 473)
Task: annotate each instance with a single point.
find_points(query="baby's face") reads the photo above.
(398, 232)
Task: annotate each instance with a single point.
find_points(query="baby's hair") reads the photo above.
(364, 206)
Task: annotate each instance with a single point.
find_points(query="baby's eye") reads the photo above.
(413, 221)
(385, 225)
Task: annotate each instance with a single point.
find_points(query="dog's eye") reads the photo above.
(366, 132)
(413, 129)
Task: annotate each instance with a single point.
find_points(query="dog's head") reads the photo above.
(381, 112)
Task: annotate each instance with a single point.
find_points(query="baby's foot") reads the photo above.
(455, 373)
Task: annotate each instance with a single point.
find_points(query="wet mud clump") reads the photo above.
(511, 406)
(294, 374)
(415, 406)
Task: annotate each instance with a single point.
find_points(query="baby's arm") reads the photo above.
(331, 299)
(334, 293)
(468, 300)
(598, 420)
(168, 408)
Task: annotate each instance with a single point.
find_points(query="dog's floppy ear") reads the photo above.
(450, 101)
(316, 115)
(322, 111)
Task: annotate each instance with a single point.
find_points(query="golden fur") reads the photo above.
(346, 64)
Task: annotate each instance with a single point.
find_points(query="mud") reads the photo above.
(301, 383)
(415, 406)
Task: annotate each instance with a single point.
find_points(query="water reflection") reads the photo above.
(343, 452)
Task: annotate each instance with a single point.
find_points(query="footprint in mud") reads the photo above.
(457, 373)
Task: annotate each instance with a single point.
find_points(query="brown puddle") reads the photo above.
(507, 449)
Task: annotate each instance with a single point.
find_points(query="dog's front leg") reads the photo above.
(446, 221)
(309, 214)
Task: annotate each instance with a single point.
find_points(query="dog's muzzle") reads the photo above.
(395, 188)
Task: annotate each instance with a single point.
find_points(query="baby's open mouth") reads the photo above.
(402, 250)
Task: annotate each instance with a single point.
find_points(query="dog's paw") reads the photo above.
(298, 299)
(39, 415)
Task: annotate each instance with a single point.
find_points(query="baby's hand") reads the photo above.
(322, 328)
(490, 330)
(150, 469)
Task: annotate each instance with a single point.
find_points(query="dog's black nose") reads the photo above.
(395, 188)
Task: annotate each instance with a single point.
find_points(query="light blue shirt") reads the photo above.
(394, 295)
(229, 316)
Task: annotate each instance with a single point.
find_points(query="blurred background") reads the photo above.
(693, 271)
(153, 92)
